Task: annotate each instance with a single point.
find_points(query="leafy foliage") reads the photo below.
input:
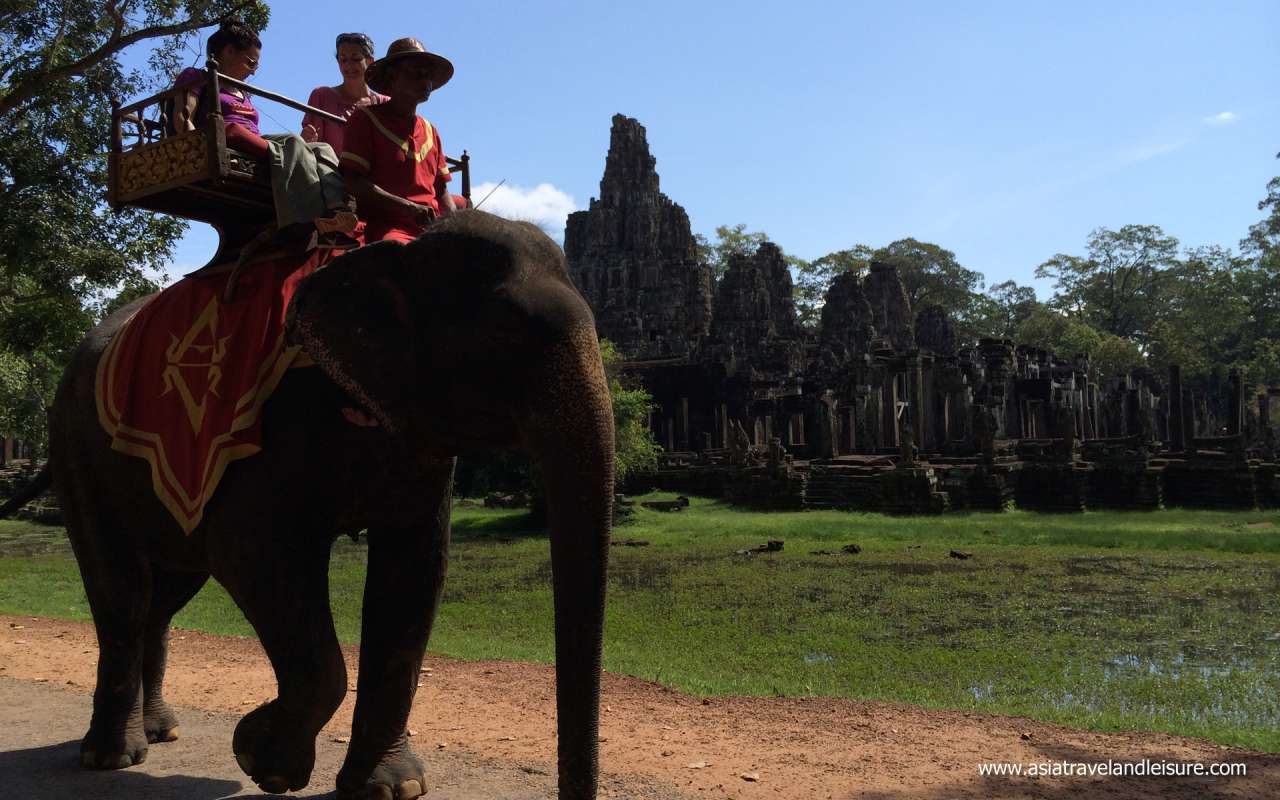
(1002, 310)
(61, 250)
(731, 240)
(634, 446)
(1116, 286)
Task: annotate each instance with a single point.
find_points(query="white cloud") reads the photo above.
(544, 205)
(1222, 118)
(1150, 150)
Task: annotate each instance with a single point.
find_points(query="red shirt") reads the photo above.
(402, 155)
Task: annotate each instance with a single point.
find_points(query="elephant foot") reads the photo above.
(160, 723)
(399, 775)
(270, 751)
(108, 751)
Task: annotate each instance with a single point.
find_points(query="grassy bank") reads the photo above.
(1165, 621)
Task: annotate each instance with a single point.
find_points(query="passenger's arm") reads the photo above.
(185, 103)
(372, 197)
(444, 198)
(311, 122)
(246, 141)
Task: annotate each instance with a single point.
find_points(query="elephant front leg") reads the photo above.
(401, 596)
(281, 584)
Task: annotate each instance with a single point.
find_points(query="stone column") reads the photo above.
(915, 385)
(1132, 408)
(1235, 414)
(685, 437)
(875, 420)
(1086, 409)
(828, 428)
(1177, 433)
(889, 411)
(1265, 434)
(1188, 420)
(948, 402)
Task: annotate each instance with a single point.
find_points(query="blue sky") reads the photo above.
(1005, 132)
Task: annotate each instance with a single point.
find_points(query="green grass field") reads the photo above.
(1163, 621)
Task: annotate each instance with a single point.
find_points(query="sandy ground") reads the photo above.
(486, 730)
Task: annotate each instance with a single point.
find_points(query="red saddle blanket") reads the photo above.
(183, 382)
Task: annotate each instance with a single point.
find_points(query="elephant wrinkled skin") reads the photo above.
(471, 338)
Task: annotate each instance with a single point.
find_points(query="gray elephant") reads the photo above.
(471, 338)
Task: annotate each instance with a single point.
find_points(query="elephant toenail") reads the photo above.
(246, 762)
(120, 762)
(274, 784)
(407, 790)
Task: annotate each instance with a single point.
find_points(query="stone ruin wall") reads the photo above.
(881, 408)
(632, 254)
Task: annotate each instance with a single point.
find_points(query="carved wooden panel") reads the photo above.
(170, 162)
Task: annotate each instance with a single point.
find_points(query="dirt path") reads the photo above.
(656, 743)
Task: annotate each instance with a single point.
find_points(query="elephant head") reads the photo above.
(473, 337)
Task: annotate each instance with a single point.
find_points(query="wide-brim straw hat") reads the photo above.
(379, 72)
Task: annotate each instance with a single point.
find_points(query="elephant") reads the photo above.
(471, 338)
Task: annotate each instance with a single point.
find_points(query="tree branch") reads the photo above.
(28, 88)
(52, 50)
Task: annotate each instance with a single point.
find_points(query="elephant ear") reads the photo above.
(353, 319)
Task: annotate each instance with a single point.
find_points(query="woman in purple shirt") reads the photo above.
(305, 183)
(354, 54)
(237, 50)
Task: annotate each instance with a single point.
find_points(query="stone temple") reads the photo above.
(882, 408)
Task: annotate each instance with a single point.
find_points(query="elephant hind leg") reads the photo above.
(117, 582)
(170, 592)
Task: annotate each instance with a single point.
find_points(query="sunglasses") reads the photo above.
(358, 39)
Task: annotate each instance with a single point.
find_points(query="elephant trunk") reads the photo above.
(571, 438)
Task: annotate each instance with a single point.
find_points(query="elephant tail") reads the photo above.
(38, 486)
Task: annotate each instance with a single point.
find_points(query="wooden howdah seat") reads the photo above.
(165, 158)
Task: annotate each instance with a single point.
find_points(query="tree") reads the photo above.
(61, 250)
(1003, 309)
(932, 275)
(1203, 323)
(1116, 288)
(1115, 355)
(49, 43)
(1264, 236)
(1051, 329)
(1261, 282)
(731, 240)
(634, 447)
